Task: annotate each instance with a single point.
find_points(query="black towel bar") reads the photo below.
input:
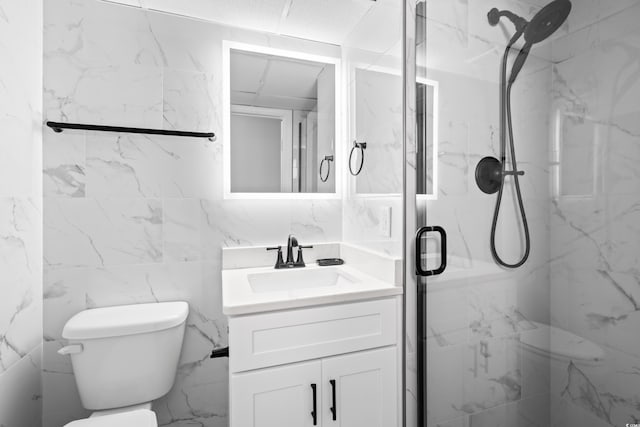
(59, 127)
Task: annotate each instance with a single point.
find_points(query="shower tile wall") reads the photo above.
(20, 213)
(131, 219)
(594, 215)
(477, 372)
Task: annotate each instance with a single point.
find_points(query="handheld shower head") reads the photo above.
(546, 22)
(491, 172)
(519, 62)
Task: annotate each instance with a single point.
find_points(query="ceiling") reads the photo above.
(373, 25)
(273, 81)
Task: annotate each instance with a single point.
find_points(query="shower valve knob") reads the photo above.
(489, 175)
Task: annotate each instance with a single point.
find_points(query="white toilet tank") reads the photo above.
(125, 355)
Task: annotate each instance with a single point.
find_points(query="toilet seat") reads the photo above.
(556, 343)
(138, 418)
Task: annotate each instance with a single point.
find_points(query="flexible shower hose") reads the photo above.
(506, 125)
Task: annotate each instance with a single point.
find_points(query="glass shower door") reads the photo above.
(473, 320)
(535, 180)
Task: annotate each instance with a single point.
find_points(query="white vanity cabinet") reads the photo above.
(349, 353)
(276, 397)
(365, 387)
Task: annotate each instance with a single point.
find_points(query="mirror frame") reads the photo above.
(352, 184)
(227, 47)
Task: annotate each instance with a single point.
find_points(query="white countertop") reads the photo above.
(238, 298)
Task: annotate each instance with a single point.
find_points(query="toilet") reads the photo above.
(123, 358)
(558, 348)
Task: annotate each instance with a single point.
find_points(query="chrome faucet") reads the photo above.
(292, 242)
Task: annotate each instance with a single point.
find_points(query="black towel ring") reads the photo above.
(362, 146)
(327, 159)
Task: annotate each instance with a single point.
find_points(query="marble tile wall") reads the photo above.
(378, 121)
(373, 57)
(373, 60)
(474, 354)
(594, 215)
(20, 213)
(131, 219)
(136, 219)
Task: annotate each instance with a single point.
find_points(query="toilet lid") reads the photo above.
(139, 418)
(553, 341)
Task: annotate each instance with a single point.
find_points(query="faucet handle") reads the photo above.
(279, 261)
(300, 260)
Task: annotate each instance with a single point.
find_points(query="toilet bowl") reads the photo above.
(123, 358)
(558, 349)
(139, 418)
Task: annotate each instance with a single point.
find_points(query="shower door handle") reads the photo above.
(443, 251)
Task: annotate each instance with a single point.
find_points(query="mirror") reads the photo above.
(282, 122)
(378, 123)
(427, 138)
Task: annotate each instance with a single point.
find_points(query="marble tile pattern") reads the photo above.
(133, 218)
(378, 122)
(138, 219)
(584, 256)
(20, 213)
(582, 274)
(475, 359)
(375, 103)
(594, 216)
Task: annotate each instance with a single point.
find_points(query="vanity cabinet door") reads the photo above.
(277, 397)
(365, 386)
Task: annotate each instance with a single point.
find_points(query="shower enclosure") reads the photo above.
(534, 320)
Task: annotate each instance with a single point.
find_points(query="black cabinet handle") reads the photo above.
(314, 413)
(443, 251)
(334, 408)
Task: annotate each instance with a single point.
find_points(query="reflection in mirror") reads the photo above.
(282, 124)
(427, 134)
(378, 121)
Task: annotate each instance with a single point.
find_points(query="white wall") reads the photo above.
(20, 212)
(255, 154)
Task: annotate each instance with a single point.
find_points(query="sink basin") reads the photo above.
(291, 280)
